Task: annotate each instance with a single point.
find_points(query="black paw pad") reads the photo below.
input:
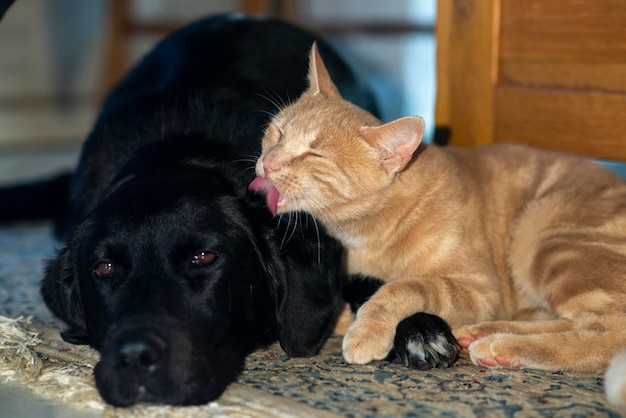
(424, 341)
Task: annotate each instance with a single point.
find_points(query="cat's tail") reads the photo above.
(45, 199)
(615, 380)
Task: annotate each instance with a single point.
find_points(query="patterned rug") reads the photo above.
(272, 384)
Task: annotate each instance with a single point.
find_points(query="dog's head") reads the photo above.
(178, 274)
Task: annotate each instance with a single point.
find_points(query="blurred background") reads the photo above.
(59, 58)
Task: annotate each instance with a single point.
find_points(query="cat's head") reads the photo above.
(322, 153)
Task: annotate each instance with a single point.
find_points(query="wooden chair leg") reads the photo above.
(116, 47)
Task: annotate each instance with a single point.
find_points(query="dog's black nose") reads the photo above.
(141, 354)
(135, 366)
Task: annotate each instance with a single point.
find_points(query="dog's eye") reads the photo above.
(104, 270)
(204, 258)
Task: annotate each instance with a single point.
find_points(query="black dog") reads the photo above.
(172, 269)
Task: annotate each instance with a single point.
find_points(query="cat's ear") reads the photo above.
(396, 141)
(319, 79)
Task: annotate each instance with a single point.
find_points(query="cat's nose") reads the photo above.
(270, 165)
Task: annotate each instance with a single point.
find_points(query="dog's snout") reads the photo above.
(136, 364)
(139, 351)
(142, 356)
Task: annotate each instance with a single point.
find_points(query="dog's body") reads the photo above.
(172, 269)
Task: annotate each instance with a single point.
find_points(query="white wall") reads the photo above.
(51, 54)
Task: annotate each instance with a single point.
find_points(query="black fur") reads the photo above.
(41, 200)
(358, 289)
(423, 341)
(162, 178)
(4, 6)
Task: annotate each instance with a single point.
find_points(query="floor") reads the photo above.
(17, 401)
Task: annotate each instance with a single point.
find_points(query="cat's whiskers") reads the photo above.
(267, 112)
(252, 159)
(280, 218)
(317, 233)
(294, 216)
(275, 99)
(319, 243)
(245, 160)
(317, 205)
(251, 168)
(312, 203)
(303, 201)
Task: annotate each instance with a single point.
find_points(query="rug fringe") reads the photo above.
(23, 359)
(34, 355)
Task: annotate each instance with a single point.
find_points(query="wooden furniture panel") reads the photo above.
(577, 44)
(466, 60)
(547, 73)
(552, 119)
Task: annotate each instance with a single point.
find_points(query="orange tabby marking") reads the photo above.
(522, 251)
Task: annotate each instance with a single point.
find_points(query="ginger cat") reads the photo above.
(521, 251)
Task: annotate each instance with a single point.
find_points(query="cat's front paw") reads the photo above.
(498, 351)
(465, 336)
(424, 341)
(366, 341)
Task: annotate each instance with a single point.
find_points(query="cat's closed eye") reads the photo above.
(273, 134)
(316, 153)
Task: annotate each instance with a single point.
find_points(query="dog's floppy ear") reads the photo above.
(310, 301)
(61, 293)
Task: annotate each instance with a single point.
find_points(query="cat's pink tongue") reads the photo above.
(260, 185)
